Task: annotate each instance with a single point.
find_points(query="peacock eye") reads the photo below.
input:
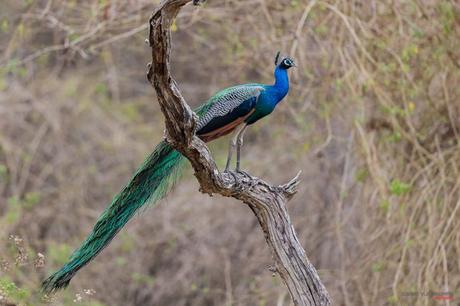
(286, 62)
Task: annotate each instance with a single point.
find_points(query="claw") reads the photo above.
(244, 173)
(232, 174)
(235, 179)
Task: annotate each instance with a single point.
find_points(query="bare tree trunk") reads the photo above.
(266, 201)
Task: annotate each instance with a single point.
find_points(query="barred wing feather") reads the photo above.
(229, 108)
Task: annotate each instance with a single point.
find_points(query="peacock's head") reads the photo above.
(285, 63)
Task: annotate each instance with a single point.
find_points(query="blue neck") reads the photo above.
(281, 85)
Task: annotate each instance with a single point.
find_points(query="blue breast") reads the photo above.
(271, 96)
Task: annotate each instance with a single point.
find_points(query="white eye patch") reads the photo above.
(287, 62)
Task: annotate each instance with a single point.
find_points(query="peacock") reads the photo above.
(231, 109)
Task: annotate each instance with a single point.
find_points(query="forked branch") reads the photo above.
(266, 201)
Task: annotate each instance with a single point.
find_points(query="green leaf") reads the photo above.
(31, 198)
(101, 89)
(361, 174)
(12, 292)
(5, 26)
(385, 206)
(378, 266)
(3, 172)
(13, 201)
(399, 188)
(59, 253)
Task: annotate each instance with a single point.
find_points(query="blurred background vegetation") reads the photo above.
(372, 120)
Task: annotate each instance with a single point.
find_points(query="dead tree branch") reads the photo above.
(266, 201)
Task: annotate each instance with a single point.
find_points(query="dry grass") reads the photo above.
(372, 120)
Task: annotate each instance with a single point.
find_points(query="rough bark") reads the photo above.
(266, 201)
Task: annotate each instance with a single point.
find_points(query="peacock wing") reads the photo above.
(229, 108)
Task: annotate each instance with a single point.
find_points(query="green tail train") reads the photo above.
(154, 178)
(149, 184)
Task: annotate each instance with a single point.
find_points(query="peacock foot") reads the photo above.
(244, 173)
(237, 182)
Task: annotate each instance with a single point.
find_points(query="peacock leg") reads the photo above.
(239, 143)
(231, 147)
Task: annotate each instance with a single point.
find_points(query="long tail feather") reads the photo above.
(148, 185)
